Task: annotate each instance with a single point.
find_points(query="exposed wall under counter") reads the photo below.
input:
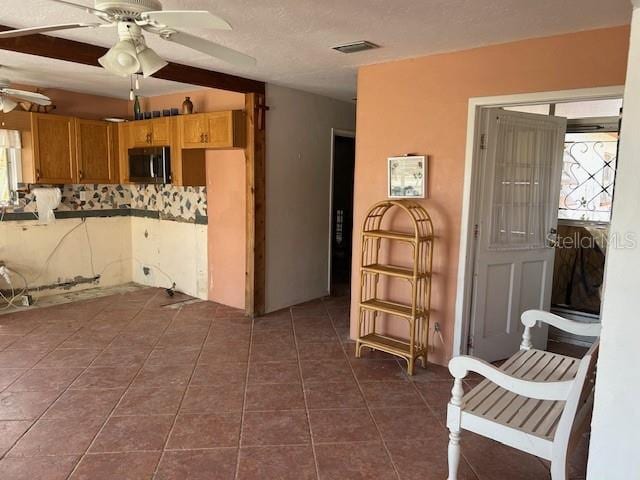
(164, 252)
(67, 255)
(152, 234)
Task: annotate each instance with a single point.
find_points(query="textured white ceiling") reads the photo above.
(292, 39)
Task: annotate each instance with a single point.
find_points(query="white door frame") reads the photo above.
(467, 243)
(335, 132)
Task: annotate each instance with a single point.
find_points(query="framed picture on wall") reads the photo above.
(407, 176)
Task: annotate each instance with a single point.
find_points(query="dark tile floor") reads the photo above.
(126, 387)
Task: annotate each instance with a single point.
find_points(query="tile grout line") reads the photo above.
(62, 392)
(110, 414)
(384, 443)
(27, 370)
(304, 396)
(244, 400)
(184, 394)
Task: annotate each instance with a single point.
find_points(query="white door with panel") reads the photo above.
(516, 221)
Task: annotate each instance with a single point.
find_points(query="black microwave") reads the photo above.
(150, 165)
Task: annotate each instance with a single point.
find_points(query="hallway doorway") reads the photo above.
(342, 176)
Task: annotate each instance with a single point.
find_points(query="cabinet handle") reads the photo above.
(202, 138)
(37, 174)
(206, 138)
(80, 174)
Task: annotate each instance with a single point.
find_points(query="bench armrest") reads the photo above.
(531, 317)
(461, 366)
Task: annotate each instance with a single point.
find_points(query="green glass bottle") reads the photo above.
(137, 111)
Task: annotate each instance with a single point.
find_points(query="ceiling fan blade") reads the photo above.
(210, 48)
(32, 97)
(187, 18)
(87, 9)
(49, 28)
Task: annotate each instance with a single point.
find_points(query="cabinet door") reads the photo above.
(161, 132)
(194, 128)
(94, 141)
(54, 148)
(140, 133)
(226, 129)
(219, 130)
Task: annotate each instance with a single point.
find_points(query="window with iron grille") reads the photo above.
(588, 176)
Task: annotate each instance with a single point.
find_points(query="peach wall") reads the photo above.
(420, 105)
(226, 201)
(204, 100)
(82, 105)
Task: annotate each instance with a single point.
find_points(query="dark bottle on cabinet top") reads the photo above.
(137, 111)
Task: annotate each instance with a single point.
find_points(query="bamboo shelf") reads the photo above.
(415, 314)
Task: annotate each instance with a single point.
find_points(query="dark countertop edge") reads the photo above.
(107, 212)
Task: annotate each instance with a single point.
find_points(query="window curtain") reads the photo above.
(525, 155)
(10, 139)
(9, 145)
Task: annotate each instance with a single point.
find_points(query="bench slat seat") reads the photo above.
(535, 417)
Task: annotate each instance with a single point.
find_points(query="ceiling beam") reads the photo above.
(87, 54)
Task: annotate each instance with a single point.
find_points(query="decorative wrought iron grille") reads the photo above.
(588, 176)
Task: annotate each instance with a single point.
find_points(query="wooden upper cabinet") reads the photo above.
(161, 131)
(54, 148)
(193, 130)
(140, 133)
(95, 152)
(213, 130)
(146, 133)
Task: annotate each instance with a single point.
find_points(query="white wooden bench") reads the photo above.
(537, 402)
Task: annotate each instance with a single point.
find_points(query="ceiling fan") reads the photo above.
(130, 55)
(9, 97)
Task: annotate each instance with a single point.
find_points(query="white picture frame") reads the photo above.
(407, 176)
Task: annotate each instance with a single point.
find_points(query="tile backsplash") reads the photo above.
(171, 202)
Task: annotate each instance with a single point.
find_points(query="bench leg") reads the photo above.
(559, 470)
(454, 454)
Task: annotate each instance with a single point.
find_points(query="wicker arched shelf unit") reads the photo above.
(418, 276)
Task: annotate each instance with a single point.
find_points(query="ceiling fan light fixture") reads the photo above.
(150, 62)
(7, 105)
(121, 59)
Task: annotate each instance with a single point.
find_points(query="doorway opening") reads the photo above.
(343, 157)
(540, 199)
(584, 208)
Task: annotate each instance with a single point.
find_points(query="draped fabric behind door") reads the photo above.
(524, 204)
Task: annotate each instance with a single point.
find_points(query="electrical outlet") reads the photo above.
(83, 196)
(26, 300)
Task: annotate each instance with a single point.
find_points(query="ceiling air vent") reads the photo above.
(356, 47)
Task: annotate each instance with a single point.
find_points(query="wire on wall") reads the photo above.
(14, 297)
